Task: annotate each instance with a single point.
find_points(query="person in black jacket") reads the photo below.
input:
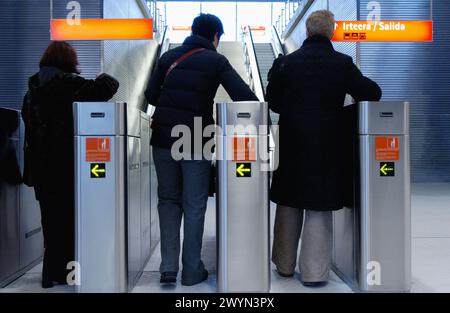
(49, 149)
(308, 89)
(183, 89)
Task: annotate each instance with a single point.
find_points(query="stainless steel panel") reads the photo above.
(145, 189)
(100, 221)
(99, 118)
(385, 220)
(31, 234)
(345, 244)
(133, 210)
(374, 236)
(384, 118)
(247, 114)
(242, 210)
(9, 229)
(21, 245)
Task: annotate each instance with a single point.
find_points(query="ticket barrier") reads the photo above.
(372, 236)
(21, 237)
(112, 196)
(243, 247)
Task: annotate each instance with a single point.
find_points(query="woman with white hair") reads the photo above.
(308, 89)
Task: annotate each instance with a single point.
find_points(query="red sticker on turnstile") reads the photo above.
(387, 148)
(98, 150)
(244, 149)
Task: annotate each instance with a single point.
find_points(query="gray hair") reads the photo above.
(320, 23)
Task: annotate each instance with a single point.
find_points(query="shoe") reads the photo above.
(168, 278)
(284, 274)
(47, 283)
(314, 284)
(204, 277)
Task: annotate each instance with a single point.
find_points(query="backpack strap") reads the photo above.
(181, 59)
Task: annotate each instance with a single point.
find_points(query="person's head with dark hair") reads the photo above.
(61, 55)
(208, 26)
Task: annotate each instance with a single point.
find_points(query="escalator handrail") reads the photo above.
(165, 43)
(254, 67)
(277, 46)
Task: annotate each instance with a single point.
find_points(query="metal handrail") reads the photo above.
(277, 46)
(164, 43)
(251, 63)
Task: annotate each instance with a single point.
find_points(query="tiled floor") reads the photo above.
(430, 254)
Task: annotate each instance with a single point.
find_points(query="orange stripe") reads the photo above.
(181, 28)
(384, 31)
(103, 29)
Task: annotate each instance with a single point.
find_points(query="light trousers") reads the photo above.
(316, 242)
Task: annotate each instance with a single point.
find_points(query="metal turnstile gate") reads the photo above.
(242, 197)
(112, 176)
(372, 240)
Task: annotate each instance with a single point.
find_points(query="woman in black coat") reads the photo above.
(49, 152)
(308, 89)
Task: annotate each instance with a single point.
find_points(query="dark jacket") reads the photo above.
(308, 89)
(48, 117)
(189, 90)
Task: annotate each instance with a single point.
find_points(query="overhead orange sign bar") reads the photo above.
(181, 28)
(384, 31)
(103, 29)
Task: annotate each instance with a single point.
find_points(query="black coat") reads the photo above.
(308, 89)
(48, 116)
(190, 88)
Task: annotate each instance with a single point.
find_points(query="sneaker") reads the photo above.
(204, 277)
(168, 278)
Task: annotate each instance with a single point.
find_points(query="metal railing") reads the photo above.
(159, 22)
(290, 7)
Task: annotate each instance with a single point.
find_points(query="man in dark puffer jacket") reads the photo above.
(183, 90)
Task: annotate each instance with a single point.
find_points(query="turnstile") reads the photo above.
(243, 262)
(112, 187)
(372, 239)
(21, 238)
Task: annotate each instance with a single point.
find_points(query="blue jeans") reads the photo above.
(183, 188)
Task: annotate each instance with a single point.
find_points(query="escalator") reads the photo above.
(259, 58)
(265, 57)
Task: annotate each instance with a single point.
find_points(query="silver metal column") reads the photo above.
(372, 240)
(242, 197)
(100, 245)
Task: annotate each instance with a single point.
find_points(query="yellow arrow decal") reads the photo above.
(96, 170)
(241, 170)
(385, 169)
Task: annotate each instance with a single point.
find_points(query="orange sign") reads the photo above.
(181, 28)
(103, 29)
(383, 31)
(387, 148)
(244, 149)
(98, 150)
